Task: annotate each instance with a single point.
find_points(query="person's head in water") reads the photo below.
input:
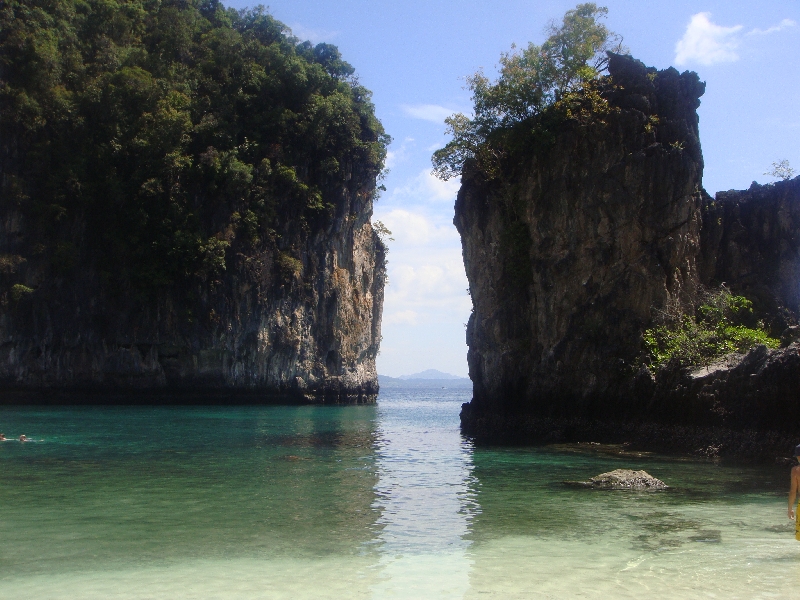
(2, 437)
(22, 438)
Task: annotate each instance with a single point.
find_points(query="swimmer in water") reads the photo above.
(22, 438)
(3, 437)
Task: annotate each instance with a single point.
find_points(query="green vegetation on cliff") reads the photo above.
(724, 323)
(537, 85)
(148, 136)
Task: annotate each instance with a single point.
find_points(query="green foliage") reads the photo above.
(19, 291)
(531, 81)
(720, 327)
(9, 263)
(289, 265)
(383, 232)
(154, 123)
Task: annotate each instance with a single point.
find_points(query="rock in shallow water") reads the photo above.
(626, 479)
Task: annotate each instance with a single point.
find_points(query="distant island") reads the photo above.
(423, 379)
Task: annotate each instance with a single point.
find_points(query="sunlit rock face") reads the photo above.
(261, 332)
(573, 249)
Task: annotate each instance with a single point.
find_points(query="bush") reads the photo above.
(719, 328)
(19, 291)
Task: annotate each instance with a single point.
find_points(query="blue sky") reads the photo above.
(414, 56)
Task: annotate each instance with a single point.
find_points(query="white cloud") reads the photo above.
(707, 43)
(441, 191)
(427, 188)
(416, 229)
(427, 283)
(312, 35)
(431, 283)
(774, 29)
(400, 154)
(403, 317)
(427, 112)
(426, 302)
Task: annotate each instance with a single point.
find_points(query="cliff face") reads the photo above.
(573, 250)
(301, 324)
(566, 264)
(185, 201)
(750, 240)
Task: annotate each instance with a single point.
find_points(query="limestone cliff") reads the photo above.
(185, 201)
(573, 249)
(261, 331)
(309, 334)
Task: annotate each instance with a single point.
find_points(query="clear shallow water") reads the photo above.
(365, 502)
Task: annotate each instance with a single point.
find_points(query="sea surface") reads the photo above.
(385, 501)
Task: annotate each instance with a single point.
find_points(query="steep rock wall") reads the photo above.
(297, 320)
(567, 261)
(750, 240)
(572, 251)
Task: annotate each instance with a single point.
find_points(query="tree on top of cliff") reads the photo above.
(781, 170)
(531, 80)
(147, 137)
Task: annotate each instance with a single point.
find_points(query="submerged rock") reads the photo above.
(626, 479)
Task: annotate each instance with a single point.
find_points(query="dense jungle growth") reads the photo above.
(154, 138)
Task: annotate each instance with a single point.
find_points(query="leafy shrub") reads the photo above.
(19, 291)
(289, 265)
(719, 328)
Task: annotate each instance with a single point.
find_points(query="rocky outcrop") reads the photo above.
(625, 479)
(185, 213)
(297, 321)
(750, 240)
(566, 263)
(573, 250)
(758, 391)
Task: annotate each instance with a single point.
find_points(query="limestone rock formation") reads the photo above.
(750, 240)
(261, 333)
(626, 479)
(572, 251)
(566, 263)
(185, 201)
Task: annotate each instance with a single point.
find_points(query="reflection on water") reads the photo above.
(366, 502)
(425, 495)
(146, 500)
(721, 530)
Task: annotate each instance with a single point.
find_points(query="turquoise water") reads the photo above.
(387, 501)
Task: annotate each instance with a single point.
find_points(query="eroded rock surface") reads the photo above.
(627, 479)
(262, 333)
(572, 252)
(568, 254)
